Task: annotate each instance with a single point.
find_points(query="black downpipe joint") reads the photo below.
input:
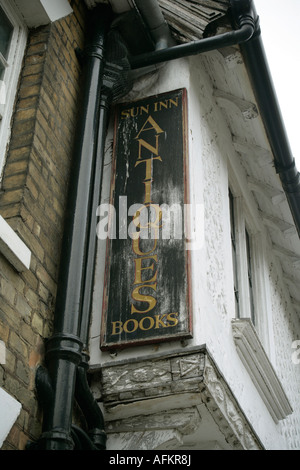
(64, 350)
(155, 22)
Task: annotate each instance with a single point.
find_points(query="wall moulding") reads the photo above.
(260, 369)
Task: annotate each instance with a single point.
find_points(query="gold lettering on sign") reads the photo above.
(144, 287)
(166, 104)
(167, 320)
(141, 110)
(146, 275)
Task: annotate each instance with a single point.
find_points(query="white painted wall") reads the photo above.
(210, 148)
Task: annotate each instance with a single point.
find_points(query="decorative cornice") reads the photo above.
(261, 156)
(260, 368)
(189, 373)
(246, 108)
(276, 195)
(277, 223)
(226, 410)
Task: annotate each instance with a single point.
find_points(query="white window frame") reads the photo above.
(11, 75)
(244, 221)
(241, 254)
(247, 217)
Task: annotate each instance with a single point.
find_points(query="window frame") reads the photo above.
(10, 80)
(251, 274)
(3, 58)
(246, 222)
(234, 253)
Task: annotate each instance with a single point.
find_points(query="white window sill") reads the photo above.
(260, 368)
(9, 410)
(13, 248)
(39, 12)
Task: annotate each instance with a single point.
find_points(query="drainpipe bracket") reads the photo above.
(289, 176)
(80, 56)
(117, 81)
(84, 361)
(98, 437)
(43, 386)
(59, 436)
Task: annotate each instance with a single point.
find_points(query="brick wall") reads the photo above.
(32, 200)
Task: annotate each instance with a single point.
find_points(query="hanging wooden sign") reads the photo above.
(147, 280)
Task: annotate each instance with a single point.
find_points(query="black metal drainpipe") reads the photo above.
(155, 22)
(64, 348)
(83, 394)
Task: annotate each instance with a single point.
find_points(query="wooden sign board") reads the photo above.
(147, 296)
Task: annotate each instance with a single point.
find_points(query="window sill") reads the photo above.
(10, 409)
(40, 12)
(13, 248)
(260, 368)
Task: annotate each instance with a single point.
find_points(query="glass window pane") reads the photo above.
(234, 255)
(250, 277)
(6, 30)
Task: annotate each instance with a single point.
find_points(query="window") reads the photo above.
(250, 276)
(234, 255)
(242, 260)
(6, 31)
(250, 282)
(13, 35)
